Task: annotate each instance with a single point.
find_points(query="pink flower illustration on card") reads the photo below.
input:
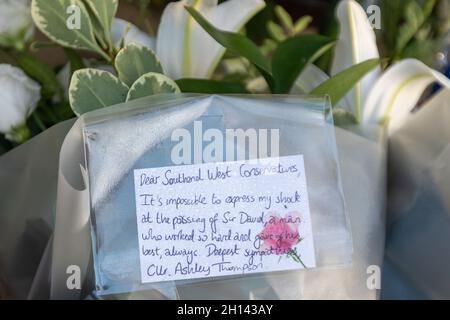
(281, 235)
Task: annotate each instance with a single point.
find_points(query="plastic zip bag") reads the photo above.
(138, 135)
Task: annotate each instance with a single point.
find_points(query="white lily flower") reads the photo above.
(385, 99)
(130, 33)
(184, 48)
(398, 90)
(16, 24)
(19, 96)
(356, 43)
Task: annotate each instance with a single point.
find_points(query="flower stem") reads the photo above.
(296, 258)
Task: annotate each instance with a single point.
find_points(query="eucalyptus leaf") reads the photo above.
(92, 89)
(104, 11)
(150, 84)
(338, 86)
(40, 72)
(209, 86)
(236, 43)
(291, 57)
(134, 60)
(53, 19)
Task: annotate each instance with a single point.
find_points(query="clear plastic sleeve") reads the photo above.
(138, 135)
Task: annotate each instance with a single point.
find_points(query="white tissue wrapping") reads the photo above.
(418, 225)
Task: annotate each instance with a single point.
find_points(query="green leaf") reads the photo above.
(104, 11)
(40, 72)
(276, 32)
(52, 19)
(92, 89)
(428, 7)
(338, 86)
(150, 84)
(421, 49)
(284, 17)
(413, 20)
(392, 14)
(209, 86)
(291, 57)
(302, 24)
(415, 17)
(236, 43)
(134, 61)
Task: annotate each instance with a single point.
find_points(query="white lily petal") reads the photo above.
(231, 15)
(397, 92)
(184, 48)
(356, 43)
(134, 34)
(170, 38)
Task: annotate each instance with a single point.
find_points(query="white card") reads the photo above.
(222, 219)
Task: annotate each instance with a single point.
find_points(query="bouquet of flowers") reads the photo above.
(199, 47)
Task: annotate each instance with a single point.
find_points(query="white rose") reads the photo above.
(130, 33)
(16, 24)
(19, 96)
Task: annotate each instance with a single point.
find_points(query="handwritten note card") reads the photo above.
(221, 219)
